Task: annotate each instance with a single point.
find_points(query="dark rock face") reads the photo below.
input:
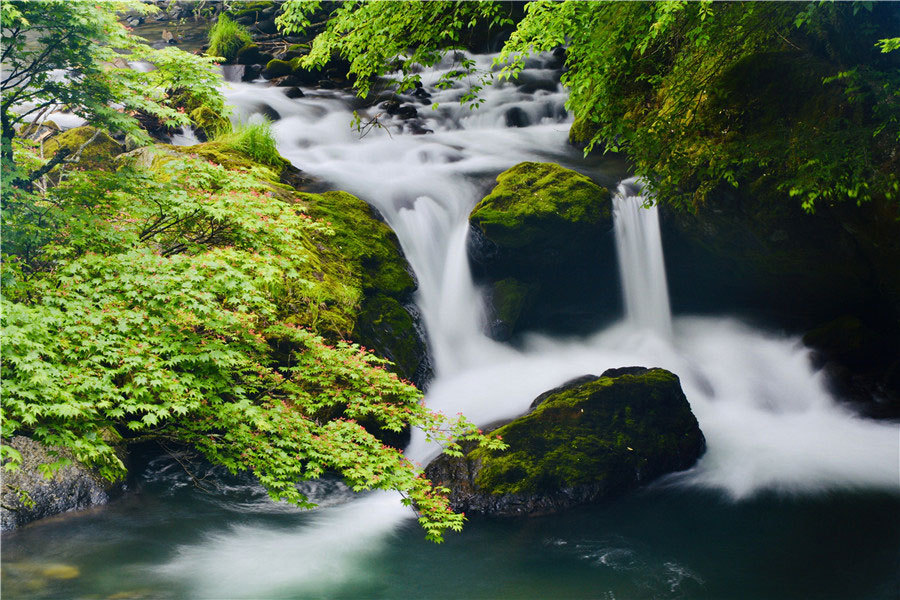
(832, 274)
(542, 244)
(590, 439)
(73, 487)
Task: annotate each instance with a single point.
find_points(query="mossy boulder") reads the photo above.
(393, 330)
(582, 132)
(209, 123)
(542, 204)
(99, 153)
(591, 439)
(387, 321)
(28, 496)
(507, 299)
(252, 54)
(278, 68)
(549, 229)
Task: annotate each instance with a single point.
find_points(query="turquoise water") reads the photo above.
(664, 542)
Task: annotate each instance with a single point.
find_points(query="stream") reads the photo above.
(796, 497)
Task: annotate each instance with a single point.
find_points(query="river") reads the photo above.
(796, 497)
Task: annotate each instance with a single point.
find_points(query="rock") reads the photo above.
(73, 487)
(252, 72)
(287, 81)
(250, 54)
(582, 131)
(407, 111)
(859, 363)
(294, 92)
(277, 68)
(549, 229)
(516, 117)
(97, 154)
(387, 321)
(267, 26)
(591, 439)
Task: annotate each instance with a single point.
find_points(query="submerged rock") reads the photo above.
(28, 496)
(590, 439)
(542, 242)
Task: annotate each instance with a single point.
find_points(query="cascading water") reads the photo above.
(770, 424)
(641, 266)
(768, 420)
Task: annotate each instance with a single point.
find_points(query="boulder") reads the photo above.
(28, 496)
(591, 439)
(277, 68)
(97, 149)
(387, 321)
(542, 243)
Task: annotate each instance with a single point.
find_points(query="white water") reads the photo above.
(641, 266)
(768, 420)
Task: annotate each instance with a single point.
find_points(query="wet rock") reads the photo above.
(27, 496)
(590, 439)
(545, 232)
(294, 92)
(516, 117)
(251, 54)
(407, 111)
(252, 72)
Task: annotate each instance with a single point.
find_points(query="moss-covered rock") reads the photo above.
(99, 153)
(550, 229)
(28, 496)
(507, 299)
(386, 321)
(278, 68)
(582, 132)
(252, 54)
(209, 123)
(361, 237)
(593, 438)
(387, 326)
(542, 204)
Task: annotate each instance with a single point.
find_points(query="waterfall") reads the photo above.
(641, 266)
(768, 418)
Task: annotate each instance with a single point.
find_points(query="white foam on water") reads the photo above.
(769, 422)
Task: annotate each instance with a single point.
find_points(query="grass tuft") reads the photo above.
(227, 37)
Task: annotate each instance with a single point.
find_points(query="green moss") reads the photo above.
(540, 201)
(385, 326)
(227, 37)
(364, 241)
(241, 9)
(212, 123)
(279, 68)
(602, 431)
(98, 154)
(582, 131)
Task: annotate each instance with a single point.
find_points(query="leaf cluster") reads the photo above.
(165, 300)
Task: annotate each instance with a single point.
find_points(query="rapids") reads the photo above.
(774, 433)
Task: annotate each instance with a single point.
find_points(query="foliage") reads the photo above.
(690, 90)
(162, 300)
(255, 140)
(227, 37)
(73, 55)
(699, 95)
(378, 38)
